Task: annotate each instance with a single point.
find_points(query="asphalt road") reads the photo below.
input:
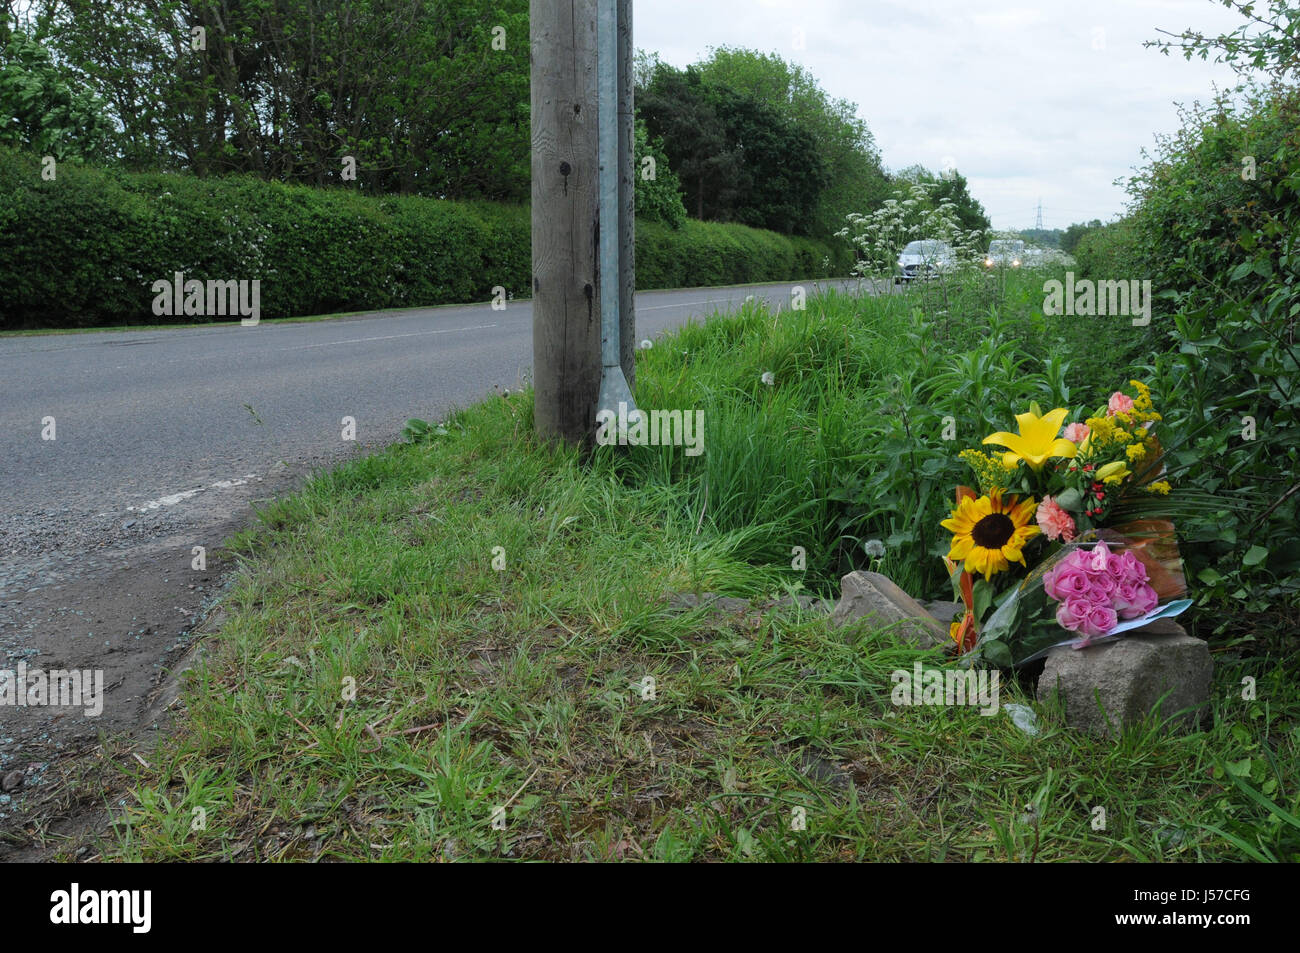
(162, 423)
(166, 440)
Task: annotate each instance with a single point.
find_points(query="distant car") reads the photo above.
(926, 258)
(1005, 253)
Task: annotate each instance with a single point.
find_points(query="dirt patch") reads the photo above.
(123, 628)
(124, 615)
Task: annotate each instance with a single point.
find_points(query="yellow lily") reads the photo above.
(1037, 440)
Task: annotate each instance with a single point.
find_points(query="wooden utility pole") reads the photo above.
(566, 214)
(565, 168)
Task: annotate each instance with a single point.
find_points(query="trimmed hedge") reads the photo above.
(84, 250)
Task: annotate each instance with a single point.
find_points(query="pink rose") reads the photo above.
(1127, 595)
(1143, 601)
(1073, 614)
(1120, 403)
(1099, 557)
(1100, 586)
(1076, 433)
(1100, 620)
(1056, 523)
(1065, 582)
(1133, 567)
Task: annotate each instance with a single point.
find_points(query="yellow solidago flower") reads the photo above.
(990, 472)
(1037, 440)
(989, 533)
(1143, 399)
(1162, 488)
(1136, 452)
(1104, 432)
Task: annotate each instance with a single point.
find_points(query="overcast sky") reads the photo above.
(1049, 100)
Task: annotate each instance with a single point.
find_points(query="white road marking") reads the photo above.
(173, 498)
(386, 337)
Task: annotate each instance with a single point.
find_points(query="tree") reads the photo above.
(1073, 234)
(854, 177)
(678, 112)
(739, 160)
(1268, 41)
(42, 111)
(658, 189)
(428, 96)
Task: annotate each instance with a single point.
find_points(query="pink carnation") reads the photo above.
(1076, 433)
(1120, 403)
(1055, 522)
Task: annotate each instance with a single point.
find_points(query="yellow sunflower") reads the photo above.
(989, 533)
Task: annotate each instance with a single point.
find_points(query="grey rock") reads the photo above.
(818, 768)
(806, 602)
(945, 612)
(729, 604)
(12, 781)
(870, 598)
(688, 600)
(1128, 677)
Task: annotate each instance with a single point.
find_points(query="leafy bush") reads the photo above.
(658, 198)
(85, 249)
(1110, 253)
(1216, 221)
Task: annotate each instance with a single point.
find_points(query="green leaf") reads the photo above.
(1239, 769)
(1071, 499)
(997, 653)
(1254, 556)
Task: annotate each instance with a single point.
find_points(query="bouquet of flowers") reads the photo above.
(1041, 529)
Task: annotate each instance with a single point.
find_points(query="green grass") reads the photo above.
(379, 689)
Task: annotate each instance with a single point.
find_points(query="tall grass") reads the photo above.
(847, 441)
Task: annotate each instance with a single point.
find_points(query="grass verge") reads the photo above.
(444, 635)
